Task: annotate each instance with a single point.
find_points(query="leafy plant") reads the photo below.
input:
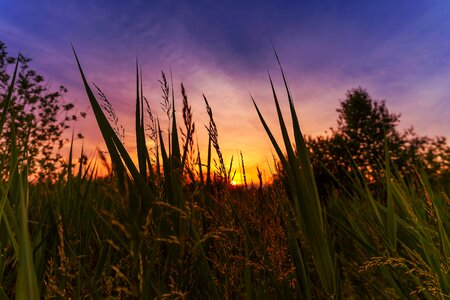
(39, 115)
(357, 145)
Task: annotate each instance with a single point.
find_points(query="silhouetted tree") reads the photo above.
(37, 118)
(357, 146)
(364, 126)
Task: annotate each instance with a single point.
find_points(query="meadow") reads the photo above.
(174, 227)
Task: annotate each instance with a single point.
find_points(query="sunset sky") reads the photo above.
(397, 50)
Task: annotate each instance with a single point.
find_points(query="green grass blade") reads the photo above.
(137, 120)
(27, 284)
(208, 163)
(300, 268)
(272, 139)
(391, 223)
(9, 219)
(200, 168)
(113, 143)
(305, 198)
(302, 151)
(176, 154)
(141, 146)
(3, 295)
(8, 99)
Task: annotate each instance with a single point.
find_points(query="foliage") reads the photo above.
(365, 131)
(40, 117)
(305, 207)
(166, 228)
(365, 126)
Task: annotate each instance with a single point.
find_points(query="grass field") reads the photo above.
(173, 226)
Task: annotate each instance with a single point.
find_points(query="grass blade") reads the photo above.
(8, 99)
(304, 194)
(27, 284)
(113, 143)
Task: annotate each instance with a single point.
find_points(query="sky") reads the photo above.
(398, 50)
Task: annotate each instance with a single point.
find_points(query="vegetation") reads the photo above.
(365, 131)
(39, 116)
(173, 226)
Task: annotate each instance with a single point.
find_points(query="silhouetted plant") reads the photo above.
(365, 131)
(39, 116)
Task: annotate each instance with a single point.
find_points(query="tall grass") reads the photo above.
(172, 226)
(14, 213)
(406, 242)
(305, 206)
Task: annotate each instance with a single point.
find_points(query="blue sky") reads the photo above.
(397, 50)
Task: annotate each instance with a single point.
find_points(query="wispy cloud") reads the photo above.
(398, 51)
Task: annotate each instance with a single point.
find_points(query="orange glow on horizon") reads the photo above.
(237, 176)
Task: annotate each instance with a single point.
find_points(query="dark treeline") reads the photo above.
(173, 226)
(365, 137)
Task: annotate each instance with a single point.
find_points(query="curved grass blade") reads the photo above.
(113, 143)
(8, 99)
(27, 284)
(138, 120)
(304, 196)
